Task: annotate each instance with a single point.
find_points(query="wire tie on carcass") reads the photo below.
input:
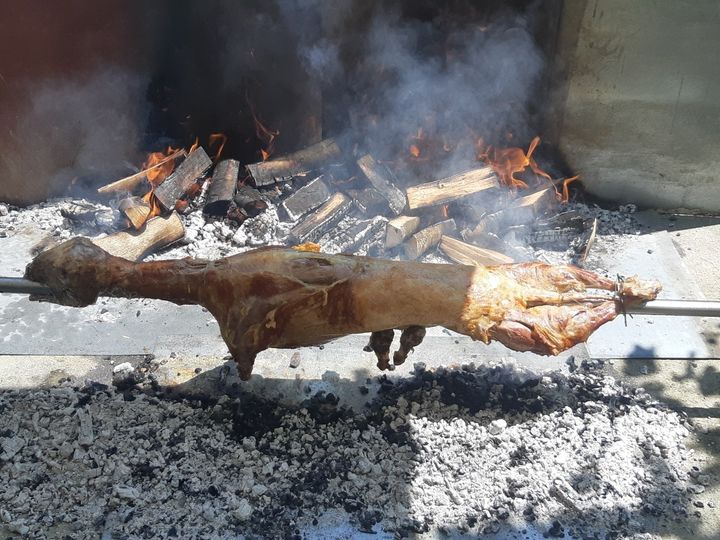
(620, 296)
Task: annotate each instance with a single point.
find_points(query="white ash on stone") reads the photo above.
(59, 218)
(472, 450)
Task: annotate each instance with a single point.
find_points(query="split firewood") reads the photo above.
(182, 178)
(285, 167)
(136, 210)
(250, 201)
(462, 253)
(129, 183)
(428, 238)
(222, 188)
(322, 220)
(286, 298)
(157, 233)
(380, 178)
(306, 199)
(520, 211)
(451, 188)
(361, 235)
(399, 228)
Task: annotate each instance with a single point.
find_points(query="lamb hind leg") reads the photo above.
(410, 338)
(380, 344)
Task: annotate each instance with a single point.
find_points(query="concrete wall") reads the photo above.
(640, 120)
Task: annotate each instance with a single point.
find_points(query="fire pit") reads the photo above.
(419, 134)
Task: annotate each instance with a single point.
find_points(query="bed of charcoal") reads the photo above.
(475, 450)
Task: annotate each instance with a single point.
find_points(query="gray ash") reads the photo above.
(474, 450)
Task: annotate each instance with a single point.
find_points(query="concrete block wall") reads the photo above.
(640, 114)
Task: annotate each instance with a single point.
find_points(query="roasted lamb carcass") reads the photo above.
(283, 297)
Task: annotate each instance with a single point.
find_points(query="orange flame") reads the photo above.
(565, 195)
(161, 164)
(506, 162)
(217, 139)
(266, 135)
(414, 150)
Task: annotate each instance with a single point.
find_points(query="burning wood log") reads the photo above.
(286, 298)
(186, 174)
(157, 233)
(399, 228)
(451, 188)
(129, 183)
(321, 220)
(285, 167)
(522, 210)
(379, 177)
(463, 253)
(428, 238)
(305, 199)
(136, 210)
(222, 188)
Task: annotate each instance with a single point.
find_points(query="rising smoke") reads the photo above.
(72, 128)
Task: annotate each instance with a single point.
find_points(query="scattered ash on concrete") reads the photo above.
(213, 238)
(472, 451)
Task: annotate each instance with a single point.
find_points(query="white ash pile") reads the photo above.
(473, 450)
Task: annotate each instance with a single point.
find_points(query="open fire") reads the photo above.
(466, 215)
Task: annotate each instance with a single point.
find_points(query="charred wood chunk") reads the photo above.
(427, 238)
(222, 188)
(180, 181)
(136, 210)
(368, 201)
(250, 201)
(364, 232)
(321, 220)
(451, 188)
(462, 253)
(129, 183)
(398, 229)
(283, 168)
(306, 199)
(380, 178)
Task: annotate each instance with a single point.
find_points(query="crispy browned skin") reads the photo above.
(281, 297)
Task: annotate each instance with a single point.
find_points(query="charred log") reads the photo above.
(181, 180)
(380, 178)
(306, 199)
(129, 183)
(222, 188)
(322, 220)
(283, 168)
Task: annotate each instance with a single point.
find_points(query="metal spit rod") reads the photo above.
(688, 308)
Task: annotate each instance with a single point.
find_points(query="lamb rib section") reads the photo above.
(285, 298)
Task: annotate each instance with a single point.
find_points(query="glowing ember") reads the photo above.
(414, 150)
